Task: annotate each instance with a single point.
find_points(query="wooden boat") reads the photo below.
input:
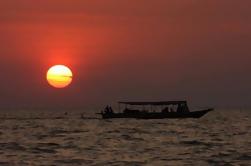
(167, 110)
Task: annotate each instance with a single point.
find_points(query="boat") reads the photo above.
(156, 110)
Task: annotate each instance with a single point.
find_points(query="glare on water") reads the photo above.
(221, 137)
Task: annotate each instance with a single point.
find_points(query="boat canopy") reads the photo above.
(154, 103)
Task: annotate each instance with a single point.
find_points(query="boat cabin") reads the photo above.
(163, 106)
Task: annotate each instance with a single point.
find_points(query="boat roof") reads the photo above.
(153, 103)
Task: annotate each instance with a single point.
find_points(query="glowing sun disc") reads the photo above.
(59, 76)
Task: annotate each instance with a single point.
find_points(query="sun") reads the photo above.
(59, 76)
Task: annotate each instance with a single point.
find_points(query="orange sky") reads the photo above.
(133, 50)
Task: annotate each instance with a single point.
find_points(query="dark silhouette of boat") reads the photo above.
(167, 109)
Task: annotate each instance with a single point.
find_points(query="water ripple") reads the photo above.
(220, 138)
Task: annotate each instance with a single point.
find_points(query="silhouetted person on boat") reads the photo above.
(108, 109)
(182, 108)
(165, 110)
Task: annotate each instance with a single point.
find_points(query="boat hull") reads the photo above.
(157, 115)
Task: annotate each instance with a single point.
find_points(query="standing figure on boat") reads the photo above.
(108, 109)
(182, 108)
(165, 110)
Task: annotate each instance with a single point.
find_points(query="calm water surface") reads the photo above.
(219, 138)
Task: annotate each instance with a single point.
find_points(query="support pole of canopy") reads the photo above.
(119, 107)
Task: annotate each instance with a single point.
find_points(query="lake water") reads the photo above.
(218, 138)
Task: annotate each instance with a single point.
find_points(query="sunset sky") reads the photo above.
(199, 50)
